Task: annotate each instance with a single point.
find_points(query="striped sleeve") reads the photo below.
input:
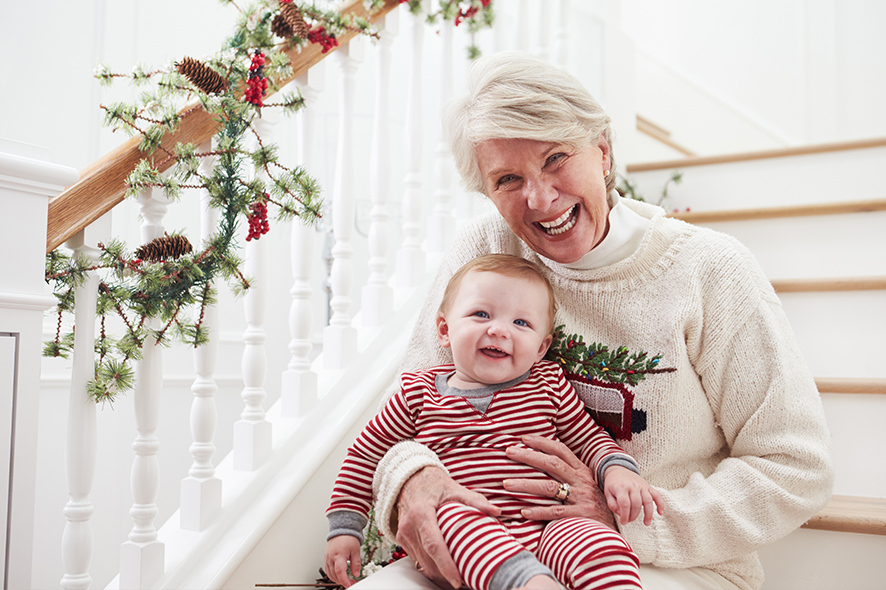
(577, 430)
(395, 422)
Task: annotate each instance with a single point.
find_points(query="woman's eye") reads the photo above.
(481, 314)
(523, 323)
(506, 179)
(554, 158)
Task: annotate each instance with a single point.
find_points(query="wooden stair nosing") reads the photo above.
(829, 285)
(851, 514)
(781, 212)
(836, 385)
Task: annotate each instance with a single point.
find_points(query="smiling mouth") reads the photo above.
(493, 352)
(562, 224)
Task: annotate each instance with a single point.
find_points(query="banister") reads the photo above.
(837, 284)
(760, 155)
(101, 185)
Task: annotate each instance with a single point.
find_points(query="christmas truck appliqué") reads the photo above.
(603, 379)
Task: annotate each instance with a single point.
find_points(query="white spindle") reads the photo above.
(523, 26)
(377, 296)
(201, 490)
(252, 433)
(340, 337)
(410, 257)
(80, 448)
(544, 31)
(142, 556)
(299, 384)
(442, 222)
(562, 35)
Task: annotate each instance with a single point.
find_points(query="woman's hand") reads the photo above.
(585, 499)
(417, 530)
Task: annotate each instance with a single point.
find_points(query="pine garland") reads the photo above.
(596, 361)
(159, 283)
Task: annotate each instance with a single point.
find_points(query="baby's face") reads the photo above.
(497, 327)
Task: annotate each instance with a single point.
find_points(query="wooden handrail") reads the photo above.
(828, 285)
(851, 514)
(661, 135)
(778, 212)
(822, 148)
(101, 185)
(837, 385)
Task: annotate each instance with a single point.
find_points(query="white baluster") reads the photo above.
(142, 556)
(562, 36)
(377, 296)
(252, 433)
(340, 337)
(442, 222)
(201, 490)
(80, 445)
(523, 26)
(299, 383)
(410, 257)
(543, 49)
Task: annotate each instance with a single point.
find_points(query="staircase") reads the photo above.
(815, 219)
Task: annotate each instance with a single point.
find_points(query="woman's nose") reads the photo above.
(540, 195)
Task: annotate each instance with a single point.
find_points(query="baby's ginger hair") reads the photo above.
(506, 265)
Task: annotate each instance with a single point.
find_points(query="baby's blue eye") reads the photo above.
(523, 323)
(481, 314)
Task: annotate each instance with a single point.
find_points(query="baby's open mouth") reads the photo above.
(493, 352)
(562, 224)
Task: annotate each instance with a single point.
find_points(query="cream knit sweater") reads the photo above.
(733, 433)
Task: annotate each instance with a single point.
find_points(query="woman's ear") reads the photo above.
(604, 147)
(442, 331)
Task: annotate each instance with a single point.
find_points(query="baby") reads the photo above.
(497, 317)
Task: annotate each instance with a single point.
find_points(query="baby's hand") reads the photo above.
(340, 550)
(626, 492)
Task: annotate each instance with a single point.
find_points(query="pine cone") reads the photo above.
(165, 248)
(289, 22)
(201, 76)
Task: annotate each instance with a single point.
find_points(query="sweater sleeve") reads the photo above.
(776, 471)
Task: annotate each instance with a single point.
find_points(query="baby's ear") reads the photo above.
(442, 331)
(545, 345)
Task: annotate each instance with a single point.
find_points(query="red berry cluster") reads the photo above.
(256, 84)
(463, 15)
(258, 221)
(398, 553)
(319, 35)
(285, 1)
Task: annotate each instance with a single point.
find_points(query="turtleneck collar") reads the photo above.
(626, 229)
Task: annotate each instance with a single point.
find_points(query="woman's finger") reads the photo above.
(552, 447)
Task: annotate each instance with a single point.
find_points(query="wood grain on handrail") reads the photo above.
(778, 212)
(838, 385)
(850, 514)
(827, 285)
(822, 148)
(649, 128)
(101, 186)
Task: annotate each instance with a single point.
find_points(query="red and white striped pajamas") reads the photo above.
(472, 445)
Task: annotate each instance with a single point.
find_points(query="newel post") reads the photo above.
(27, 182)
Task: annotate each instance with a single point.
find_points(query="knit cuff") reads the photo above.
(396, 467)
(625, 461)
(345, 522)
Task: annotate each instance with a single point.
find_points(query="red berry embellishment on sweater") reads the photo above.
(256, 83)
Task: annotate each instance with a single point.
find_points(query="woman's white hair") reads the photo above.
(514, 95)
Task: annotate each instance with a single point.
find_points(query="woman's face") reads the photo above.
(552, 196)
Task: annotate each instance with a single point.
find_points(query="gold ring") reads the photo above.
(562, 492)
(418, 566)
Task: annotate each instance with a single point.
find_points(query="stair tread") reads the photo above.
(851, 514)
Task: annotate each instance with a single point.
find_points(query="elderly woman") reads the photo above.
(672, 336)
